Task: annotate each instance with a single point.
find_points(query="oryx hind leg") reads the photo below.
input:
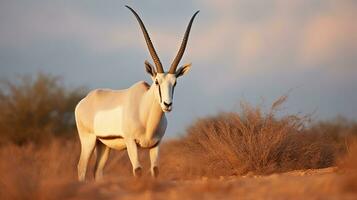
(102, 152)
(88, 141)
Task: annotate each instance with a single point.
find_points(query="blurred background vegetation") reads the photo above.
(37, 131)
(35, 108)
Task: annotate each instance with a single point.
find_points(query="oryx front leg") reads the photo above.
(133, 156)
(154, 157)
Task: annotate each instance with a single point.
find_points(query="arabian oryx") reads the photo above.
(129, 118)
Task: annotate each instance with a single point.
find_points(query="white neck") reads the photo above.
(151, 112)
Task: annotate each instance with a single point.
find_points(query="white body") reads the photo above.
(119, 119)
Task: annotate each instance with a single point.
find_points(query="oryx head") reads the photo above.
(165, 82)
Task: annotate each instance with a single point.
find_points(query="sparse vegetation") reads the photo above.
(249, 142)
(349, 163)
(32, 109)
(254, 142)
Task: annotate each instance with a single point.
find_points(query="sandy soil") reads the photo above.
(328, 183)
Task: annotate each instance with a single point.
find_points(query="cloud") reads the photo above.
(314, 30)
(27, 25)
(329, 33)
(308, 33)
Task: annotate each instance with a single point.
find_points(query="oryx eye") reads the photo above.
(156, 82)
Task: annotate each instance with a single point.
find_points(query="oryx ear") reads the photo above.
(183, 70)
(150, 69)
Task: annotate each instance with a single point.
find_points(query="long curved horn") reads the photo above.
(151, 48)
(183, 46)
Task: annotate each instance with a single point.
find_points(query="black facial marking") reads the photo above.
(160, 93)
(157, 83)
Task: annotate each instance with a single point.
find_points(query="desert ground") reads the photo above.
(49, 172)
(325, 183)
(23, 182)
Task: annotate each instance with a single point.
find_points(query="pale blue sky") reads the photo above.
(240, 50)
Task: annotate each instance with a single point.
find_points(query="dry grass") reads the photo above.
(28, 171)
(250, 142)
(48, 172)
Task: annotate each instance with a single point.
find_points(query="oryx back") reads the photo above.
(102, 111)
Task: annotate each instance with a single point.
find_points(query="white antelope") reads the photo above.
(129, 118)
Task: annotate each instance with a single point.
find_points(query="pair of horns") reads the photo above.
(151, 48)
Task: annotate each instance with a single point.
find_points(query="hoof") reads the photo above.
(138, 172)
(98, 177)
(155, 172)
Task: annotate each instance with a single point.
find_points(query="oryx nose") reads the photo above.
(168, 104)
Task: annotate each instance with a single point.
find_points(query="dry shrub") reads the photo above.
(33, 172)
(223, 145)
(33, 109)
(348, 163)
(48, 171)
(253, 141)
(337, 130)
